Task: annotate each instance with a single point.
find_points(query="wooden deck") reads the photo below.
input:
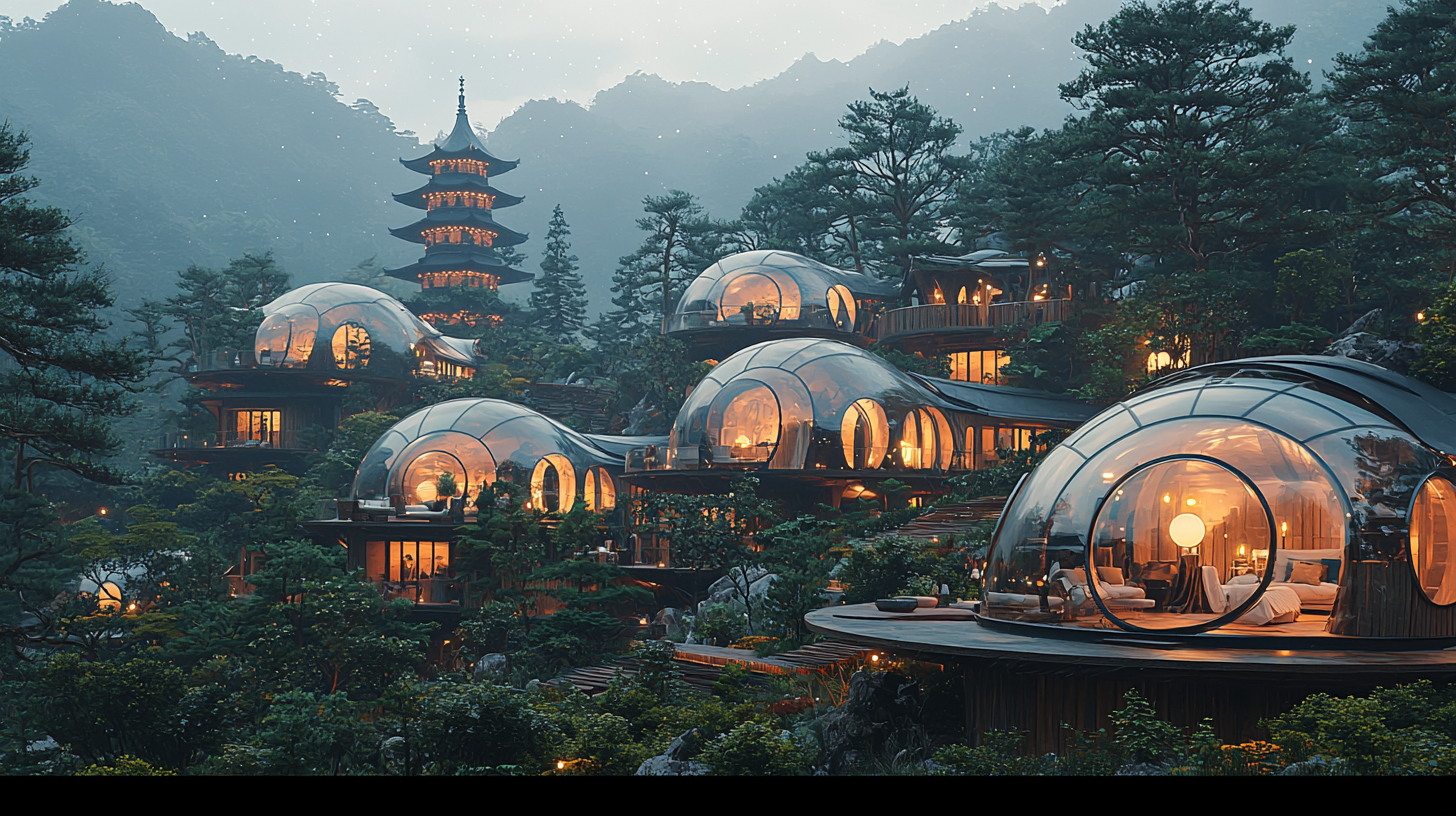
(1040, 679)
(951, 633)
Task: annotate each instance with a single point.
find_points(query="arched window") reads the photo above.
(601, 492)
(751, 298)
(841, 307)
(926, 440)
(1433, 540)
(427, 473)
(749, 422)
(351, 346)
(865, 435)
(553, 484)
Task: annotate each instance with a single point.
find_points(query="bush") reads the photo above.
(125, 765)
(884, 568)
(1138, 733)
(720, 625)
(1405, 730)
(997, 755)
(754, 749)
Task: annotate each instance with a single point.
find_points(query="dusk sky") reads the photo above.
(405, 54)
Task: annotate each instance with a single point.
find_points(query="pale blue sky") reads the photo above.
(405, 54)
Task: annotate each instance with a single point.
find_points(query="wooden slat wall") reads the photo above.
(1003, 698)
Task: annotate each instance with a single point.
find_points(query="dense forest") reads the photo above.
(1206, 200)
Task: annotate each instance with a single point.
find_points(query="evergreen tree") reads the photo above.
(1399, 95)
(558, 303)
(899, 149)
(61, 382)
(1201, 129)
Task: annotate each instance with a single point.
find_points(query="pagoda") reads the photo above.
(459, 231)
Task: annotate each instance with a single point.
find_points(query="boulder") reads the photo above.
(1358, 342)
(671, 621)
(660, 765)
(492, 665)
(879, 706)
(722, 590)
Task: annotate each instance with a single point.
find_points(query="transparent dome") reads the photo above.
(478, 441)
(815, 404)
(770, 288)
(1240, 495)
(347, 327)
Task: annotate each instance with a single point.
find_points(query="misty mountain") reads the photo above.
(169, 151)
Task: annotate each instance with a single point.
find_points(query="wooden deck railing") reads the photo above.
(931, 317)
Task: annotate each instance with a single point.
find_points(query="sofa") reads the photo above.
(1313, 597)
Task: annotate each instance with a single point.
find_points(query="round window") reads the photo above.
(1181, 544)
(351, 346)
(553, 484)
(1432, 539)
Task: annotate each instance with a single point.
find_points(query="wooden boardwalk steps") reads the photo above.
(700, 666)
(950, 520)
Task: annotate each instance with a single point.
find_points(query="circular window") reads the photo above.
(1181, 544)
(601, 492)
(1432, 538)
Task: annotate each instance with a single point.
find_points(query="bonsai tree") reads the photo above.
(445, 487)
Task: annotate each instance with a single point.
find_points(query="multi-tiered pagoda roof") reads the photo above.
(459, 229)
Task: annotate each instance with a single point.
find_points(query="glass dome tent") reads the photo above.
(771, 293)
(478, 441)
(348, 327)
(1243, 494)
(811, 404)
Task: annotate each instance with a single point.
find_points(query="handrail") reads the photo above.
(933, 316)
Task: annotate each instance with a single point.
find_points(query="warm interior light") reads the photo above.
(1283, 527)
(1192, 502)
(743, 441)
(1107, 477)
(1167, 498)
(560, 765)
(1187, 530)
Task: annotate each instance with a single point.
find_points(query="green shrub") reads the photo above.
(720, 624)
(1405, 730)
(755, 749)
(1138, 733)
(997, 755)
(125, 765)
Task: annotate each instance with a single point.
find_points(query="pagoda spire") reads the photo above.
(461, 111)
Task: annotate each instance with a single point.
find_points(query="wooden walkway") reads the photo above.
(950, 520)
(700, 666)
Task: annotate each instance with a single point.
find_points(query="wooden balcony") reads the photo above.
(898, 324)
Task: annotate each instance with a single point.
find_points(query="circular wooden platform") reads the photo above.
(951, 634)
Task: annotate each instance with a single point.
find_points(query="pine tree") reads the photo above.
(558, 304)
(1399, 95)
(62, 382)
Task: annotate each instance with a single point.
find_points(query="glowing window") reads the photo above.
(748, 430)
(944, 439)
(351, 346)
(1432, 535)
(601, 493)
(910, 441)
(865, 434)
(841, 307)
(961, 297)
(752, 298)
(428, 473)
(108, 597)
(257, 426)
(553, 484)
(1167, 526)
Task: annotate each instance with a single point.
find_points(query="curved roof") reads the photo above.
(771, 289)
(307, 320)
(1428, 413)
(487, 436)
(462, 143)
(460, 182)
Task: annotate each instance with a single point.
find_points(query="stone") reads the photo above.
(722, 590)
(671, 621)
(1143, 769)
(879, 705)
(1388, 354)
(660, 765)
(684, 746)
(492, 665)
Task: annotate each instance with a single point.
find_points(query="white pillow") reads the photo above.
(1110, 575)
(1247, 578)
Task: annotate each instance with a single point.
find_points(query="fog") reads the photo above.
(404, 55)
